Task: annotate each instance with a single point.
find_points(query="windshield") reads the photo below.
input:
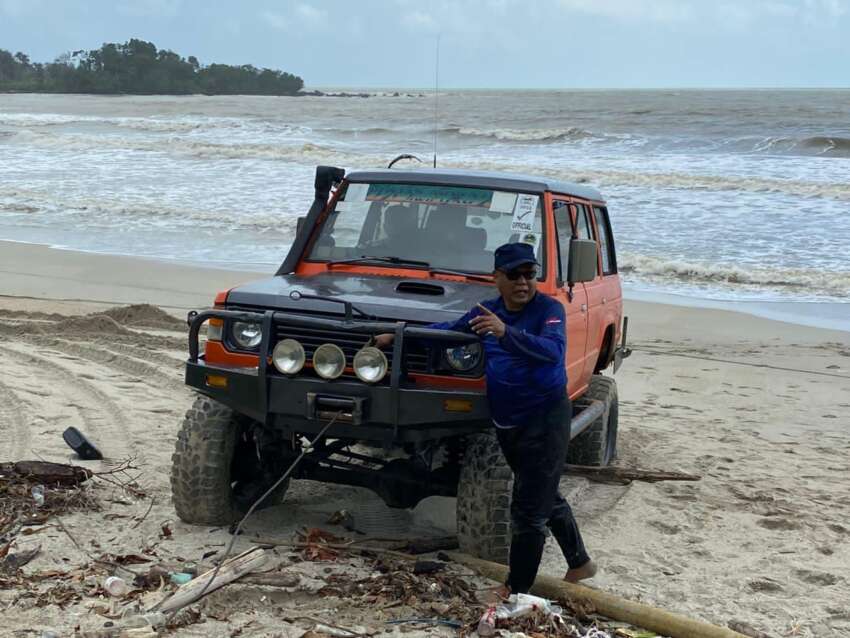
(449, 227)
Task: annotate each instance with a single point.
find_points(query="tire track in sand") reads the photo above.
(14, 429)
(99, 414)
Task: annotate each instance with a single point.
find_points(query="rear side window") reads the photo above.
(606, 242)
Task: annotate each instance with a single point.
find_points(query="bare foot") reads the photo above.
(496, 595)
(588, 570)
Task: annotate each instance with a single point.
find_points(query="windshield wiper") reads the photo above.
(398, 261)
(459, 273)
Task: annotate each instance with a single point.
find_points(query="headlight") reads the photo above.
(329, 361)
(464, 358)
(370, 365)
(288, 356)
(247, 335)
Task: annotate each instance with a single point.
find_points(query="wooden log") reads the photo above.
(427, 545)
(625, 475)
(232, 569)
(657, 620)
(45, 472)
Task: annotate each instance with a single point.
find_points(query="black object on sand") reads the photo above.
(81, 445)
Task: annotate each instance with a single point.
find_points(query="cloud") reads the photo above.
(311, 14)
(419, 20)
(670, 11)
(149, 8)
(275, 20)
(302, 16)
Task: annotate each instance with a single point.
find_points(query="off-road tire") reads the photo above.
(202, 475)
(484, 500)
(597, 445)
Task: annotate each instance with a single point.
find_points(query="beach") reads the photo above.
(757, 408)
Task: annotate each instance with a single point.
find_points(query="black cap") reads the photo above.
(510, 256)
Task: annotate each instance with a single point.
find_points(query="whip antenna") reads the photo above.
(436, 97)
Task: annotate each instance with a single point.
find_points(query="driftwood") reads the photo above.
(230, 570)
(625, 475)
(427, 545)
(45, 472)
(658, 620)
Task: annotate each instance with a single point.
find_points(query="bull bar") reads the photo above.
(260, 405)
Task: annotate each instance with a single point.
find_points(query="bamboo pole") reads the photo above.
(657, 620)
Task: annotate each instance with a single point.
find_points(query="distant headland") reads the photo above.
(139, 68)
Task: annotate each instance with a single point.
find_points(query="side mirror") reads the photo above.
(583, 261)
(299, 225)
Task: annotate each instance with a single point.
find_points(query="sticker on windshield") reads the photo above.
(347, 206)
(531, 238)
(502, 202)
(524, 213)
(356, 192)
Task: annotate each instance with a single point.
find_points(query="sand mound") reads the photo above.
(94, 325)
(145, 315)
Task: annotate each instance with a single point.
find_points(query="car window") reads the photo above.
(452, 227)
(565, 234)
(584, 226)
(609, 260)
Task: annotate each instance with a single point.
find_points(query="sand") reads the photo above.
(758, 408)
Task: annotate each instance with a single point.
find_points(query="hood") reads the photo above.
(392, 298)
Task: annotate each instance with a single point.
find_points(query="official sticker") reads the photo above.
(502, 202)
(524, 213)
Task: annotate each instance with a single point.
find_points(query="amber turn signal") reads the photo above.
(457, 405)
(216, 381)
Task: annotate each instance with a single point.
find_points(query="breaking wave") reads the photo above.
(642, 266)
(182, 124)
(527, 135)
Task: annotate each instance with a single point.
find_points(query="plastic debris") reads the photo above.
(116, 586)
(180, 578)
(84, 448)
(37, 492)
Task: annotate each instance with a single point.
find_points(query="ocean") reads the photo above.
(713, 195)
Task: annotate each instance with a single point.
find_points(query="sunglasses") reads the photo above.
(528, 275)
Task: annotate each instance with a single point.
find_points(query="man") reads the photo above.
(524, 337)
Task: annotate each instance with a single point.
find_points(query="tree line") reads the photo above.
(138, 67)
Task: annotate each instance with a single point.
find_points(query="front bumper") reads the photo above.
(398, 412)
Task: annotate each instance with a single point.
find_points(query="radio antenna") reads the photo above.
(436, 96)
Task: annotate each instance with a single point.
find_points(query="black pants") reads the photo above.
(536, 452)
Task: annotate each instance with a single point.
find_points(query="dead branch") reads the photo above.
(625, 475)
(142, 520)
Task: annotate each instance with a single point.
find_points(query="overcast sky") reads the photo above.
(483, 43)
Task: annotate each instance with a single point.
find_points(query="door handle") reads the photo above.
(584, 307)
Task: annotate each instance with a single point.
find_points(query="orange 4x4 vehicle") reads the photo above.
(393, 251)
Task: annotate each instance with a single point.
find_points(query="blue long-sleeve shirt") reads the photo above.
(525, 368)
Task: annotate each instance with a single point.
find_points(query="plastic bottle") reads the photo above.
(487, 624)
(38, 495)
(116, 586)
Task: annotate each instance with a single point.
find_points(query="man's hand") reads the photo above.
(487, 324)
(384, 340)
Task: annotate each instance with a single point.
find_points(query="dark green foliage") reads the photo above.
(137, 67)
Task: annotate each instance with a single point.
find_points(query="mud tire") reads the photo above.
(597, 445)
(484, 500)
(203, 471)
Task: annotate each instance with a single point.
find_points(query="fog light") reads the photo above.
(329, 361)
(288, 356)
(370, 365)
